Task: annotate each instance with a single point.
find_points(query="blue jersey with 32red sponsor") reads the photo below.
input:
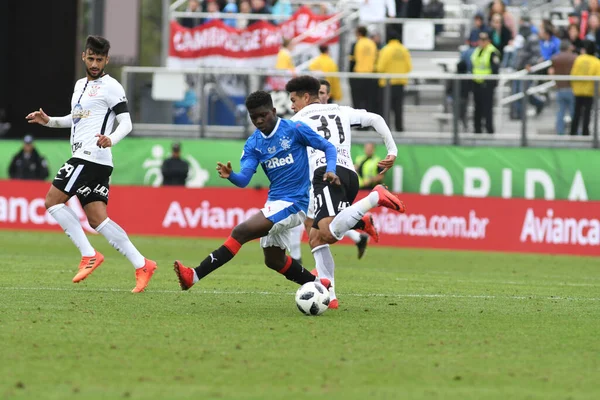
(284, 159)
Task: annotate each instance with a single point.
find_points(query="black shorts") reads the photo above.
(330, 199)
(85, 179)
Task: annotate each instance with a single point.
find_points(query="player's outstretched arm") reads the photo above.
(223, 170)
(40, 117)
(376, 121)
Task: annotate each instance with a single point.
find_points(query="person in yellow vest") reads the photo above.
(362, 59)
(585, 64)
(366, 168)
(325, 63)
(394, 58)
(284, 57)
(485, 61)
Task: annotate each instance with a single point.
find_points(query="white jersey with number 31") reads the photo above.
(333, 122)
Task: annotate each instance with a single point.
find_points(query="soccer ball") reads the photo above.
(312, 298)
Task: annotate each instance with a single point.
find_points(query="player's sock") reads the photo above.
(350, 217)
(325, 264)
(118, 238)
(67, 219)
(296, 240)
(217, 258)
(353, 235)
(295, 272)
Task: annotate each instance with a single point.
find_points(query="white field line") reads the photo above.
(492, 282)
(392, 295)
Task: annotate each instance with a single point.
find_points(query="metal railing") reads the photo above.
(423, 117)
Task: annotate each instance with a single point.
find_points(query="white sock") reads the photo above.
(353, 235)
(67, 219)
(117, 237)
(325, 265)
(346, 219)
(296, 240)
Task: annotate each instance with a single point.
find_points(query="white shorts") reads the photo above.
(285, 216)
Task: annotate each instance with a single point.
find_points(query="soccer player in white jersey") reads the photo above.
(360, 239)
(98, 100)
(334, 213)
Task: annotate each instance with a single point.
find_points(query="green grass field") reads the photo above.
(412, 324)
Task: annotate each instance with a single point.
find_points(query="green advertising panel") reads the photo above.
(470, 171)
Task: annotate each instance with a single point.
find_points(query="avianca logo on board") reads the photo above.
(557, 230)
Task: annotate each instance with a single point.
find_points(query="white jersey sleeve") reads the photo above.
(115, 95)
(364, 118)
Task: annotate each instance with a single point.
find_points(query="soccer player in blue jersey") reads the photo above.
(280, 147)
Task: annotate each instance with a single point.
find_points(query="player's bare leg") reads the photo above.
(66, 218)
(255, 227)
(117, 237)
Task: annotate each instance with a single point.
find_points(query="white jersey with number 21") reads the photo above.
(333, 122)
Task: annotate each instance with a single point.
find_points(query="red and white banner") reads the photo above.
(216, 44)
(484, 224)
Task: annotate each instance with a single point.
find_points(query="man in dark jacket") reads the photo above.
(174, 169)
(28, 163)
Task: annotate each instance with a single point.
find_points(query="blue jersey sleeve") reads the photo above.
(308, 137)
(248, 165)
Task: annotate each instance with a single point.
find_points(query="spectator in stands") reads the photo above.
(574, 39)
(369, 173)
(362, 59)
(376, 37)
(594, 28)
(528, 54)
(465, 89)
(324, 63)
(190, 22)
(394, 58)
(499, 34)
(473, 41)
(498, 7)
(435, 9)
(259, 7)
(212, 7)
(284, 57)
(562, 63)
(485, 61)
(404, 9)
(28, 163)
(245, 8)
(549, 43)
(586, 64)
(231, 8)
(374, 12)
(282, 7)
(174, 169)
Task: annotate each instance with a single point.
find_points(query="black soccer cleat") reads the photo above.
(362, 245)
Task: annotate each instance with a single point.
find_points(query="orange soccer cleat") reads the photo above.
(325, 282)
(143, 275)
(369, 229)
(389, 200)
(314, 272)
(87, 266)
(333, 304)
(184, 274)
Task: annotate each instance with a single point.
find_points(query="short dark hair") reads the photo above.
(589, 47)
(326, 83)
(304, 84)
(258, 99)
(361, 30)
(323, 48)
(97, 45)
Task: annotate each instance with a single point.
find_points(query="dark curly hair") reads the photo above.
(97, 45)
(304, 84)
(258, 99)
